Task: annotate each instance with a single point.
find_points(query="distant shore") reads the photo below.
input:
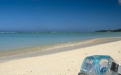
(115, 30)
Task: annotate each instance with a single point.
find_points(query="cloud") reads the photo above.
(119, 1)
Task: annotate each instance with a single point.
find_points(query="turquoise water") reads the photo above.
(10, 41)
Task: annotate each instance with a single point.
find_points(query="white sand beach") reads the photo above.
(61, 63)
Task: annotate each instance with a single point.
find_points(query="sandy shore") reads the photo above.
(61, 63)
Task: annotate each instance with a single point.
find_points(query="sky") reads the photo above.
(59, 15)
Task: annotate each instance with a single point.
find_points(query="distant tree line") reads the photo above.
(117, 30)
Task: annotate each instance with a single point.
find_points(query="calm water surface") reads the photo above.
(10, 41)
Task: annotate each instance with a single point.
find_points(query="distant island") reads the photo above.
(116, 30)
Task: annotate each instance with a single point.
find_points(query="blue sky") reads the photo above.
(59, 15)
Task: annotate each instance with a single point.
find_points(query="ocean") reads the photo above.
(11, 42)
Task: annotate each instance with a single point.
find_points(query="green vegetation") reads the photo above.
(117, 30)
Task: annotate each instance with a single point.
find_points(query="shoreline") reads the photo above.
(59, 63)
(58, 48)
